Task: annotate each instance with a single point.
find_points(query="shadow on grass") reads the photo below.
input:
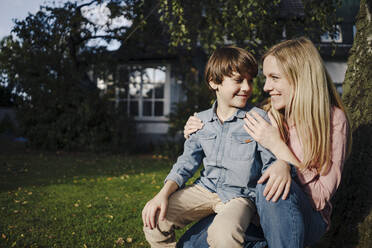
(353, 202)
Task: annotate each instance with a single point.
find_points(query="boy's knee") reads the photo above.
(225, 235)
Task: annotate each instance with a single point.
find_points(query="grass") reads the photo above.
(87, 200)
(76, 200)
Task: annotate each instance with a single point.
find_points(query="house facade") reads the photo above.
(147, 89)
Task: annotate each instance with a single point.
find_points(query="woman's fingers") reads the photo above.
(268, 186)
(264, 177)
(273, 189)
(278, 192)
(287, 188)
(251, 119)
(258, 118)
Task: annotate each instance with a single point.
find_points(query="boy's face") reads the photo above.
(234, 91)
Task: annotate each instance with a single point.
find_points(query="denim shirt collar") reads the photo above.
(240, 113)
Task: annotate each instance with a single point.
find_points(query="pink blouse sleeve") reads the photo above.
(322, 187)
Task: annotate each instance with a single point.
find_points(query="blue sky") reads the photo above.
(19, 9)
(10, 9)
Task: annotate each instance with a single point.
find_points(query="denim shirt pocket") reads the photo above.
(242, 147)
(207, 141)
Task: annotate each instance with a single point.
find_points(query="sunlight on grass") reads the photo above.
(83, 200)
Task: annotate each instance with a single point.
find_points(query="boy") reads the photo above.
(232, 160)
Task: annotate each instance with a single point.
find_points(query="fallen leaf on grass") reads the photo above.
(85, 246)
(3, 236)
(29, 193)
(89, 205)
(15, 211)
(76, 205)
(24, 202)
(119, 241)
(129, 240)
(109, 216)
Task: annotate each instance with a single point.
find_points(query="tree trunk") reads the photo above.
(352, 216)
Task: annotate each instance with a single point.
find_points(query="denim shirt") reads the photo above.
(233, 161)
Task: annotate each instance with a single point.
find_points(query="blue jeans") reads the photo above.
(286, 223)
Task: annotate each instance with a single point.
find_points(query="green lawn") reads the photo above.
(76, 200)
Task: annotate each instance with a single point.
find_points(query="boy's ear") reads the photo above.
(213, 85)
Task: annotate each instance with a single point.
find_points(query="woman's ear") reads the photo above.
(213, 85)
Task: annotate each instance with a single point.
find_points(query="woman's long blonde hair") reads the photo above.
(313, 95)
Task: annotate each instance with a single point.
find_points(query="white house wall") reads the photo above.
(336, 70)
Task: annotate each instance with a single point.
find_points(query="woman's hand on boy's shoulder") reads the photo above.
(260, 130)
(155, 210)
(192, 125)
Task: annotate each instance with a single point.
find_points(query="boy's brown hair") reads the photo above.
(227, 60)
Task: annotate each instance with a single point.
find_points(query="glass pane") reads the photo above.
(147, 91)
(135, 76)
(148, 75)
(147, 109)
(159, 91)
(159, 108)
(134, 90)
(159, 75)
(133, 108)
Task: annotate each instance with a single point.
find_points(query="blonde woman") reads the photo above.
(310, 131)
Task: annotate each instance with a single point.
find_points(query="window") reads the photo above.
(140, 91)
(337, 38)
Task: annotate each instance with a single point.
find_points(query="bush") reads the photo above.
(7, 125)
(83, 123)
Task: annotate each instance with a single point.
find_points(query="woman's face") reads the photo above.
(276, 84)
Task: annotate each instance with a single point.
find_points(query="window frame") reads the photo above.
(141, 100)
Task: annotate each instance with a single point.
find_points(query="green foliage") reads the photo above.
(199, 27)
(251, 24)
(48, 63)
(7, 98)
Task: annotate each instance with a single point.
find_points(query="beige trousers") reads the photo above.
(194, 202)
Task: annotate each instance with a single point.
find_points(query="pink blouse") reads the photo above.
(321, 188)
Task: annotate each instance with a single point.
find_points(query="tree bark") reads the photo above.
(352, 216)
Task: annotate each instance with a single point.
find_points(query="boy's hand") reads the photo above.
(193, 124)
(279, 183)
(150, 212)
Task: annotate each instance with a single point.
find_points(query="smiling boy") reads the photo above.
(232, 161)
